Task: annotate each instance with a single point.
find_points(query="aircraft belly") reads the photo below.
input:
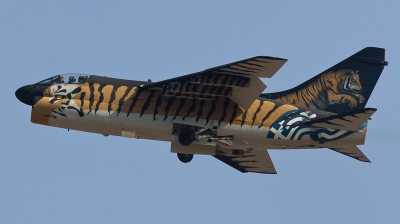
(290, 137)
(151, 127)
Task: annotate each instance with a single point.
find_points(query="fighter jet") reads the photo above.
(220, 111)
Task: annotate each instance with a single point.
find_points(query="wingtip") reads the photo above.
(270, 57)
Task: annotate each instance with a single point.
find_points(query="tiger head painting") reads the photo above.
(61, 96)
(331, 88)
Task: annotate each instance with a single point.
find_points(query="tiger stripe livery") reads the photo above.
(220, 111)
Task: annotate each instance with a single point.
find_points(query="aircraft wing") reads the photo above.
(240, 81)
(353, 151)
(255, 161)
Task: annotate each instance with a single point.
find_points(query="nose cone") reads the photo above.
(27, 94)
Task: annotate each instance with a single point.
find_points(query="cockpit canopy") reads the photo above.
(70, 78)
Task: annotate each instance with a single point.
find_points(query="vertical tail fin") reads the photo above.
(344, 87)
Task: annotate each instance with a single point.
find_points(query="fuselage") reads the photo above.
(121, 108)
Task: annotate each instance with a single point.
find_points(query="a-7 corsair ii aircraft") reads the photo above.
(220, 111)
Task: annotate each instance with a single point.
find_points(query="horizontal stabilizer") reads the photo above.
(255, 161)
(352, 151)
(350, 121)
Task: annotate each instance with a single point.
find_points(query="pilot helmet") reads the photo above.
(72, 79)
(81, 79)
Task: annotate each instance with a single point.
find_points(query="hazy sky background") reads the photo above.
(50, 175)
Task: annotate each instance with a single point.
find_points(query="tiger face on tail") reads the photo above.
(334, 87)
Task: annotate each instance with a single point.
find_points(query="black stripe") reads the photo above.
(248, 68)
(181, 105)
(61, 114)
(76, 90)
(67, 103)
(219, 90)
(246, 80)
(69, 96)
(212, 109)
(203, 77)
(244, 118)
(251, 67)
(122, 100)
(171, 101)
(227, 91)
(137, 94)
(80, 112)
(225, 80)
(258, 59)
(147, 103)
(212, 89)
(82, 98)
(217, 77)
(91, 97)
(58, 88)
(53, 100)
(175, 86)
(255, 114)
(235, 109)
(188, 85)
(194, 88)
(248, 62)
(208, 80)
(226, 104)
(158, 103)
(276, 106)
(238, 71)
(112, 98)
(101, 98)
(204, 90)
(232, 80)
(191, 109)
(180, 89)
(200, 110)
(164, 89)
(239, 81)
